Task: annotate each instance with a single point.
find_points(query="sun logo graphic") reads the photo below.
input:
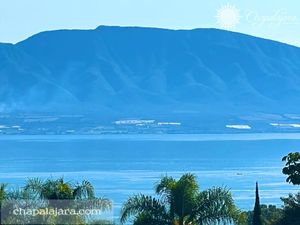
(228, 16)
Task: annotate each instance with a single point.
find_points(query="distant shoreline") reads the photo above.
(158, 137)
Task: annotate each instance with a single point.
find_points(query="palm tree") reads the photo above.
(180, 203)
(59, 189)
(5, 197)
(54, 193)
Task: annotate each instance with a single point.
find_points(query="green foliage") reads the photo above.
(270, 215)
(38, 194)
(290, 214)
(59, 189)
(180, 203)
(291, 210)
(180, 195)
(100, 222)
(216, 205)
(292, 168)
(146, 208)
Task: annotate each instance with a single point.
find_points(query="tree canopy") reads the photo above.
(292, 168)
(180, 202)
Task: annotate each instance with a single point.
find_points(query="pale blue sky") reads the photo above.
(19, 19)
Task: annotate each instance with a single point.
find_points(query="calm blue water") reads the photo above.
(120, 166)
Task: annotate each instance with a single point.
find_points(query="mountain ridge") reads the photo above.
(154, 28)
(135, 70)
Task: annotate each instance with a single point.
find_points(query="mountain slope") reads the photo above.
(145, 70)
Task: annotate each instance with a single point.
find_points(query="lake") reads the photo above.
(121, 165)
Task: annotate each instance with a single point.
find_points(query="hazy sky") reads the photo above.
(277, 20)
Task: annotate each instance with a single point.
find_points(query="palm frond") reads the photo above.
(215, 205)
(85, 190)
(138, 204)
(165, 185)
(147, 219)
(104, 204)
(34, 186)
